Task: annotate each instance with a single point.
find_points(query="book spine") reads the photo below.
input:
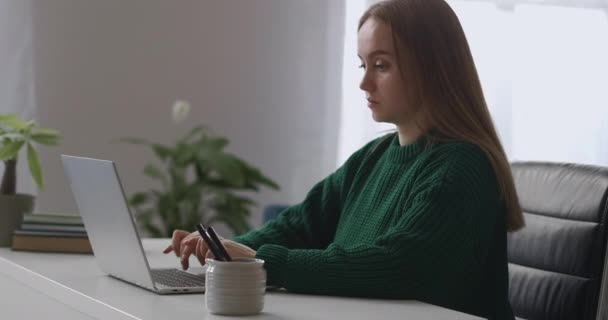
(58, 228)
(50, 234)
(51, 244)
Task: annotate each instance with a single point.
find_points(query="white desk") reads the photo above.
(71, 286)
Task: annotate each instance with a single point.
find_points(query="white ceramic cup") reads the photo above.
(236, 287)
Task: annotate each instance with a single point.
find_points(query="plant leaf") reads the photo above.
(193, 132)
(45, 136)
(167, 207)
(227, 168)
(138, 199)
(10, 116)
(178, 179)
(16, 124)
(153, 171)
(34, 164)
(267, 182)
(10, 150)
(254, 177)
(46, 132)
(244, 201)
(218, 143)
(161, 151)
(49, 140)
(12, 136)
(184, 154)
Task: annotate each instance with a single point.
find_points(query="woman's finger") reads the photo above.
(186, 252)
(198, 253)
(176, 239)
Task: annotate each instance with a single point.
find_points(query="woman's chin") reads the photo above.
(378, 117)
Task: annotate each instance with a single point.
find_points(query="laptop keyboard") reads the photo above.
(177, 278)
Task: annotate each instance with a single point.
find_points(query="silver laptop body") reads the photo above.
(112, 232)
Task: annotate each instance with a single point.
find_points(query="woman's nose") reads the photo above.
(367, 84)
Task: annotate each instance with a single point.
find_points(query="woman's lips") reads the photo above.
(371, 103)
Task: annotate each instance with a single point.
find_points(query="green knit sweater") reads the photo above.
(417, 222)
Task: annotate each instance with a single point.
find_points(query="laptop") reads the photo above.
(111, 229)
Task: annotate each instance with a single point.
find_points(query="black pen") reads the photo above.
(216, 253)
(218, 242)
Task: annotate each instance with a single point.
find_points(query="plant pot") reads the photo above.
(12, 208)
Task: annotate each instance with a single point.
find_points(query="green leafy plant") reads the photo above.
(199, 182)
(14, 135)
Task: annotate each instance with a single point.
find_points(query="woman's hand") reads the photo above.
(184, 243)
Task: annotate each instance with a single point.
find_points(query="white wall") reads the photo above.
(263, 73)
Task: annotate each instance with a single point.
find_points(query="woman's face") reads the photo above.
(382, 82)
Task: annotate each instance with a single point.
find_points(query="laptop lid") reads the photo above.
(108, 221)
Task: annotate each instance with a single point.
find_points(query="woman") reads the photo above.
(420, 214)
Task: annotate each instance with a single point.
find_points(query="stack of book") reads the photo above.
(51, 232)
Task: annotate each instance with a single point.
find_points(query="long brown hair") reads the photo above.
(440, 66)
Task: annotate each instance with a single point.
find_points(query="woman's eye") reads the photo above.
(380, 66)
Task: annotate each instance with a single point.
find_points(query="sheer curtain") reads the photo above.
(544, 72)
(16, 78)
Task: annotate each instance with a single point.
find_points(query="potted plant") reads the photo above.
(198, 182)
(14, 135)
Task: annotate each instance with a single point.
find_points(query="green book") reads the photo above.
(52, 218)
(53, 227)
(50, 234)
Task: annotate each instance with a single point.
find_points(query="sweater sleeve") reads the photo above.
(311, 223)
(435, 241)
